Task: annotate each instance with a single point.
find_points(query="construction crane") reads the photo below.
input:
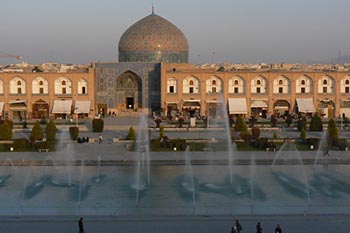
(7, 55)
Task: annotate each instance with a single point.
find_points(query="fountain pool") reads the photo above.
(107, 190)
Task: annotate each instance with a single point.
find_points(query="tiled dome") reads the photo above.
(153, 39)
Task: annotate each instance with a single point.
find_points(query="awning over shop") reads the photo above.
(1, 108)
(191, 103)
(237, 105)
(82, 106)
(62, 106)
(306, 105)
(17, 102)
(258, 104)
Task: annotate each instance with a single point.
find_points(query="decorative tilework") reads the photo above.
(153, 39)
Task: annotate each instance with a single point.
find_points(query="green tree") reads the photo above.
(74, 132)
(131, 134)
(5, 131)
(97, 125)
(332, 132)
(303, 134)
(256, 132)
(316, 123)
(51, 131)
(37, 132)
(240, 125)
(161, 132)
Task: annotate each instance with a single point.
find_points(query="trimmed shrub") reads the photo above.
(131, 134)
(161, 132)
(22, 144)
(246, 136)
(240, 125)
(303, 134)
(74, 132)
(316, 123)
(333, 134)
(256, 132)
(37, 132)
(10, 123)
(51, 131)
(301, 123)
(179, 144)
(5, 131)
(97, 125)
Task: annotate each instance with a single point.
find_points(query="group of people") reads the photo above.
(237, 228)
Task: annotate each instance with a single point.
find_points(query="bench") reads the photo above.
(43, 150)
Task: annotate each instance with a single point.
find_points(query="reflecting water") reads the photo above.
(108, 190)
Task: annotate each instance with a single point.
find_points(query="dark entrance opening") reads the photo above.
(129, 102)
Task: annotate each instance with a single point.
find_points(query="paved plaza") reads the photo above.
(110, 150)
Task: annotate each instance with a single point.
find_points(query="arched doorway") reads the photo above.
(326, 108)
(128, 91)
(40, 109)
(281, 108)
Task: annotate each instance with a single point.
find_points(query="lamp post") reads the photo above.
(76, 111)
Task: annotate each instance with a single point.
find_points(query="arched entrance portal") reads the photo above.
(40, 109)
(326, 108)
(128, 92)
(281, 108)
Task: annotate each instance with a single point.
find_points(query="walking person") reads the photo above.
(100, 138)
(258, 228)
(238, 226)
(81, 225)
(278, 229)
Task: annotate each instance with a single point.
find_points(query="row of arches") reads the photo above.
(259, 85)
(40, 85)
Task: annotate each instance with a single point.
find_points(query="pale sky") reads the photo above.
(244, 31)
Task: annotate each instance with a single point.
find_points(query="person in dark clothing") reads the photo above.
(81, 225)
(258, 228)
(233, 230)
(238, 226)
(278, 229)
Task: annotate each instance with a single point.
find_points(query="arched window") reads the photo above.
(281, 85)
(258, 85)
(171, 86)
(325, 85)
(213, 85)
(190, 85)
(17, 86)
(345, 85)
(303, 85)
(236, 85)
(63, 86)
(82, 87)
(40, 86)
(1, 87)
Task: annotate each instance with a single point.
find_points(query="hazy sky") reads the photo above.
(244, 31)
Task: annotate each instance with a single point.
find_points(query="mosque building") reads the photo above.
(153, 75)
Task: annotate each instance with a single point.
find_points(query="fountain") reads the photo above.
(142, 157)
(321, 146)
(299, 188)
(219, 119)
